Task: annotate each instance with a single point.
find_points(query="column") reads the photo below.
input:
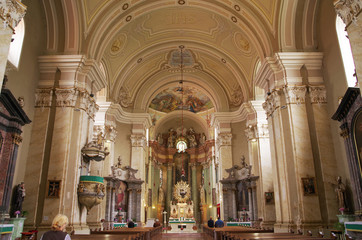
(11, 14)
(138, 159)
(259, 151)
(169, 188)
(296, 130)
(194, 192)
(64, 112)
(130, 213)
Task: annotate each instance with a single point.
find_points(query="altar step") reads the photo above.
(183, 236)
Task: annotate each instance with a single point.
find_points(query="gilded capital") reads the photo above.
(65, 97)
(295, 94)
(138, 140)
(11, 12)
(318, 94)
(43, 97)
(17, 139)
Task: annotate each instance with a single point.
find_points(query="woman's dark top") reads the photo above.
(54, 235)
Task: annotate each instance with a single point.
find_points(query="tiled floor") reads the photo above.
(183, 236)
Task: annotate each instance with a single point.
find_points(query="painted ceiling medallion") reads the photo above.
(236, 97)
(242, 43)
(170, 99)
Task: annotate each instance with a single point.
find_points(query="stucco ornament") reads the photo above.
(11, 12)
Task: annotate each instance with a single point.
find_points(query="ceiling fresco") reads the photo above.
(170, 99)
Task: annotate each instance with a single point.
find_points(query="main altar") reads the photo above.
(182, 209)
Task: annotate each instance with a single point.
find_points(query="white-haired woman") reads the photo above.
(58, 226)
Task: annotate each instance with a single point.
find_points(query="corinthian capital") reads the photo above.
(318, 94)
(138, 140)
(272, 102)
(65, 97)
(251, 132)
(224, 139)
(347, 9)
(11, 12)
(43, 97)
(295, 94)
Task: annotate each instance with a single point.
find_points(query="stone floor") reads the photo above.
(183, 236)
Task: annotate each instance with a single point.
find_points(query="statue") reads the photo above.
(100, 139)
(202, 139)
(171, 139)
(18, 199)
(202, 195)
(160, 139)
(341, 191)
(192, 140)
(119, 164)
(161, 195)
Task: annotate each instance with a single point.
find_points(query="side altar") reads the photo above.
(182, 213)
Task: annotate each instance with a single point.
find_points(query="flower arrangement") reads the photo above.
(342, 210)
(17, 213)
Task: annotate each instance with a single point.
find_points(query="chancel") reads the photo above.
(172, 112)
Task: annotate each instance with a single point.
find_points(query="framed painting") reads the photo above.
(53, 189)
(309, 186)
(269, 197)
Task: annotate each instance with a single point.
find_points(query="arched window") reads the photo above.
(17, 44)
(347, 57)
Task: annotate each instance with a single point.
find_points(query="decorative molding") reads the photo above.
(224, 139)
(116, 112)
(318, 94)
(138, 140)
(124, 98)
(65, 97)
(43, 97)
(263, 131)
(272, 102)
(251, 132)
(295, 94)
(344, 131)
(236, 96)
(232, 117)
(11, 12)
(17, 139)
(110, 133)
(348, 10)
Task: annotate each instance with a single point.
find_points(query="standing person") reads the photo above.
(219, 223)
(58, 226)
(210, 223)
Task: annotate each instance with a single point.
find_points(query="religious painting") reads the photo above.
(121, 189)
(357, 127)
(269, 197)
(309, 186)
(181, 161)
(53, 188)
(188, 98)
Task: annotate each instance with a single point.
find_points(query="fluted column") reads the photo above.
(11, 13)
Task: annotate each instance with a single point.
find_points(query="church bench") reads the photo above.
(106, 236)
(254, 236)
(217, 233)
(146, 233)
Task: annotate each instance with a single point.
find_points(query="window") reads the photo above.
(346, 52)
(17, 44)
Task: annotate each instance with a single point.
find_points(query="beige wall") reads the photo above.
(23, 82)
(239, 142)
(122, 144)
(334, 76)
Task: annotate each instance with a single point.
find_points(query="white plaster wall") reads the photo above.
(334, 77)
(24, 81)
(122, 144)
(239, 142)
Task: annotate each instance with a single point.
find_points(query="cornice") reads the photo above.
(232, 117)
(116, 111)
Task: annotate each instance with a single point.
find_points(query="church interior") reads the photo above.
(181, 110)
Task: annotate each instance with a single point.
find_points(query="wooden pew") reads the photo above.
(146, 233)
(274, 236)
